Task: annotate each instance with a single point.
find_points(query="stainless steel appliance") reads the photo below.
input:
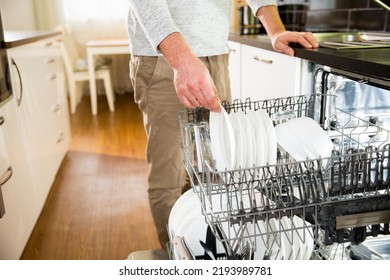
(364, 97)
(332, 207)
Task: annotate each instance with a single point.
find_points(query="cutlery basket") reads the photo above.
(311, 209)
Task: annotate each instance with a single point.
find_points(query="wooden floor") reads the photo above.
(98, 208)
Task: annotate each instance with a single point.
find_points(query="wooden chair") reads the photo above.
(77, 71)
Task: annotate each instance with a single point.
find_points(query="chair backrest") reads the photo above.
(69, 51)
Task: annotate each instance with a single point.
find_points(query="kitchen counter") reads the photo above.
(368, 62)
(19, 38)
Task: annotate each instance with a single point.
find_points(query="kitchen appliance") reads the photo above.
(5, 80)
(322, 208)
(364, 97)
(353, 40)
(5, 94)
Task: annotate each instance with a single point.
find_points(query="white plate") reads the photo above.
(182, 212)
(193, 228)
(312, 136)
(260, 240)
(275, 240)
(191, 224)
(300, 236)
(271, 136)
(176, 207)
(222, 140)
(289, 141)
(286, 238)
(180, 209)
(303, 138)
(249, 139)
(260, 141)
(239, 138)
(309, 242)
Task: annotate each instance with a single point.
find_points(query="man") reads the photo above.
(180, 59)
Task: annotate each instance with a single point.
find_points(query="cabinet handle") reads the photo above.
(56, 108)
(6, 176)
(61, 137)
(52, 76)
(233, 50)
(50, 60)
(267, 61)
(2, 120)
(18, 100)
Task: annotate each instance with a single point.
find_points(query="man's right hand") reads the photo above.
(193, 83)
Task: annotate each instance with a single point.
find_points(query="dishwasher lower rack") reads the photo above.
(312, 209)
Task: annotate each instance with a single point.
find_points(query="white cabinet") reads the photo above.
(42, 108)
(235, 69)
(38, 134)
(267, 74)
(19, 194)
(5, 167)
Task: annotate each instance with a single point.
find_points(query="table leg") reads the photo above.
(92, 81)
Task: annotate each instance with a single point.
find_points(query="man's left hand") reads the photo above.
(281, 41)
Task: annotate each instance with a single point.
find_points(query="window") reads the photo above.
(101, 10)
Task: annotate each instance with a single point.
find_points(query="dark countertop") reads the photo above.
(368, 62)
(20, 38)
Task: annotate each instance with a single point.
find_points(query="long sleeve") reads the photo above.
(155, 20)
(204, 24)
(257, 4)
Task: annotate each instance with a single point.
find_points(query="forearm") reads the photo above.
(193, 83)
(269, 17)
(175, 50)
(280, 38)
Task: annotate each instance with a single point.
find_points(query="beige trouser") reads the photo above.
(155, 95)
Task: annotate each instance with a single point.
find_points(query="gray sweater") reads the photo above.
(204, 24)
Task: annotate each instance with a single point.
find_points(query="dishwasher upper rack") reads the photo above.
(344, 198)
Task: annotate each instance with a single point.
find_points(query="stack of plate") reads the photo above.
(303, 139)
(287, 238)
(186, 220)
(242, 140)
(248, 139)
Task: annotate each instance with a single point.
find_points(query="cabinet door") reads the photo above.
(267, 74)
(42, 109)
(235, 69)
(19, 195)
(51, 121)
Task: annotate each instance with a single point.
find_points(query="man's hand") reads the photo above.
(281, 41)
(193, 83)
(280, 38)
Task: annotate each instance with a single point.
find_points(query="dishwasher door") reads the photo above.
(315, 208)
(354, 94)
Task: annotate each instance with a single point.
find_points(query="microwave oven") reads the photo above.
(5, 80)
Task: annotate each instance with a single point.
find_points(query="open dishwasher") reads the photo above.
(337, 207)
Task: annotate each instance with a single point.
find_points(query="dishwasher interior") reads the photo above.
(330, 208)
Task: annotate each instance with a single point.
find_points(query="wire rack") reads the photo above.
(312, 209)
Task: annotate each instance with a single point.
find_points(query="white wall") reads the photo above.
(18, 14)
